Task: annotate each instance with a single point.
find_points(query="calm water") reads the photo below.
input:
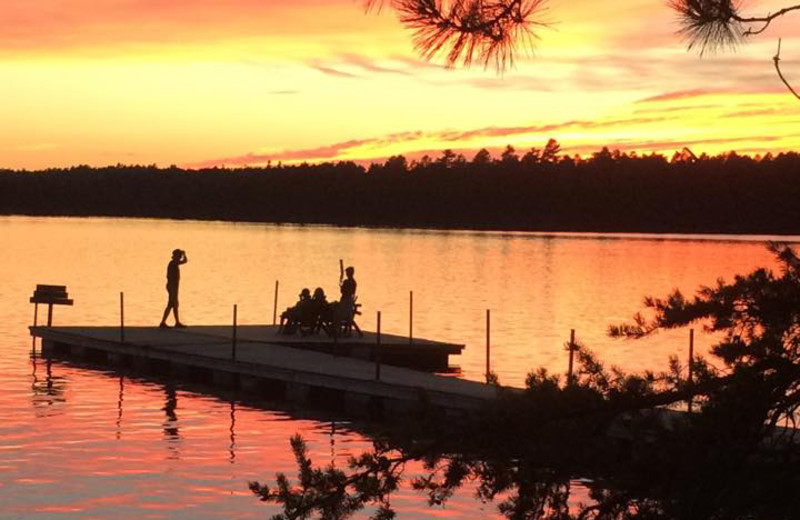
(82, 443)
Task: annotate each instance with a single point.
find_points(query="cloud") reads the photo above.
(362, 66)
(584, 137)
(56, 25)
(416, 63)
(321, 153)
(334, 72)
(370, 65)
(752, 88)
(524, 83)
(668, 109)
(753, 113)
(680, 94)
(666, 145)
(543, 129)
(414, 141)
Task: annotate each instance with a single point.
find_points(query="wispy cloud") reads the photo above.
(353, 65)
(321, 153)
(334, 72)
(371, 65)
(583, 137)
(680, 94)
(661, 109)
(754, 112)
(676, 144)
(478, 133)
(59, 26)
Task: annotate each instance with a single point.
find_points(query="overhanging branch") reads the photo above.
(777, 59)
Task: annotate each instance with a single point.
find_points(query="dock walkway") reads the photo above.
(262, 363)
(420, 353)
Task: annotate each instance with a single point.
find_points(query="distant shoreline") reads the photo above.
(630, 195)
(569, 235)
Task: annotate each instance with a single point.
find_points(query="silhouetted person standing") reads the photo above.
(173, 281)
(347, 308)
(348, 287)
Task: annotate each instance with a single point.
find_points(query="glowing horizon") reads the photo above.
(247, 82)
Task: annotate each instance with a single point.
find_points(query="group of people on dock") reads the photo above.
(310, 315)
(313, 313)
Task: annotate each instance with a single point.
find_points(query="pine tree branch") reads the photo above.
(489, 31)
(766, 20)
(777, 59)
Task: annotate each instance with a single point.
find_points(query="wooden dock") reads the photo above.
(421, 354)
(263, 362)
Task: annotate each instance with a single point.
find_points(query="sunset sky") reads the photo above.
(239, 82)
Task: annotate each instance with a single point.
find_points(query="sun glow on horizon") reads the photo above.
(251, 82)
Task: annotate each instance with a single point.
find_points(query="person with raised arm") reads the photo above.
(348, 287)
(347, 307)
(173, 282)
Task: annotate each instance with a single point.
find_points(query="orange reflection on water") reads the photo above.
(538, 287)
(104, 445)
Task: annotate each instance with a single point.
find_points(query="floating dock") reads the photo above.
(352, 372)
(421, 354)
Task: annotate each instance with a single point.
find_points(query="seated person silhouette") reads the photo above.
(173, 281)
(322, 310)
(297, 315)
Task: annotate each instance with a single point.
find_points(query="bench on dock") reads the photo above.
(50, 295)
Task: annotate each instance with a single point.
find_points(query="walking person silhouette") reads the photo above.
(173, 281)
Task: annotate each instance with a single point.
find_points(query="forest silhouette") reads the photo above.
(540, 190)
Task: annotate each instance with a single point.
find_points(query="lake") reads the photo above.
(80, 442)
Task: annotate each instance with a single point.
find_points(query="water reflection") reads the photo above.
(48, 392)
(120, 400)
(171, 431)
(333, 442)
(232, 447)
(88, 445)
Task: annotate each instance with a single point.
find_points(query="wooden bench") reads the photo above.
(51, 295)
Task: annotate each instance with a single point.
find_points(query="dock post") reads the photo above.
(378, 350)
(49, 314)
(35, 318)
(571, 355)
(121, 317)
(691, 375)
(233, 346)
(488, 345)
(411, 316)
(275, 306)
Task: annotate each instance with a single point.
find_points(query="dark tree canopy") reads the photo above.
(544, 190)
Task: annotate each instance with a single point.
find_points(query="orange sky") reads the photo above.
(240, 82)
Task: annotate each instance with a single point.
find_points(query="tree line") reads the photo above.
(539, 190)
